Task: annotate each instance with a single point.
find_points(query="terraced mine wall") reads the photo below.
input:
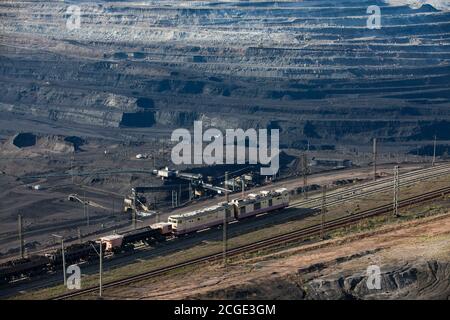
(311, 68)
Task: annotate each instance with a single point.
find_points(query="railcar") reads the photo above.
(114, 243)
(157, 232)
(201, 219)
(165, 228)
(145, 235)
(265, 201)
(75, 253)
(26, 267)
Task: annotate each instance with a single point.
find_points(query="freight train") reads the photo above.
(81, 252)
(177, 225)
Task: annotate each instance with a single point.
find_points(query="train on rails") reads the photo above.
(237, 209)
(177, 225)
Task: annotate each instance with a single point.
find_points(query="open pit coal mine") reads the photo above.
(309, 68)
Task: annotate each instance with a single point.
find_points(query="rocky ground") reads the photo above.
(311, 68)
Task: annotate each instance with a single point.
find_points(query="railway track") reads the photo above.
(333, 197)
(267, 243)
(406, 179)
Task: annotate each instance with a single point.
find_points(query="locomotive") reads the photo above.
(177, 225)
(238, 209)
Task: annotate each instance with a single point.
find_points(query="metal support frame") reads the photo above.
(174, 199)
(63, 257)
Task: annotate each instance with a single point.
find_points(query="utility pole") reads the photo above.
(133, 211)
(375, 151)
(190, 191)
(101, 269)
(71, 167)
(84, 203)
(323, 211)
(179, 196)
(225, 240)
(64, 261)
(100, 273)
(86, 209)
(20, 227)
(79, 235)
(396, 190)
(434, 151)
(243, 187)
(87, 214)
(63, 257)
(305, 171)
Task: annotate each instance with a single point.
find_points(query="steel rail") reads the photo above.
(384, 184)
